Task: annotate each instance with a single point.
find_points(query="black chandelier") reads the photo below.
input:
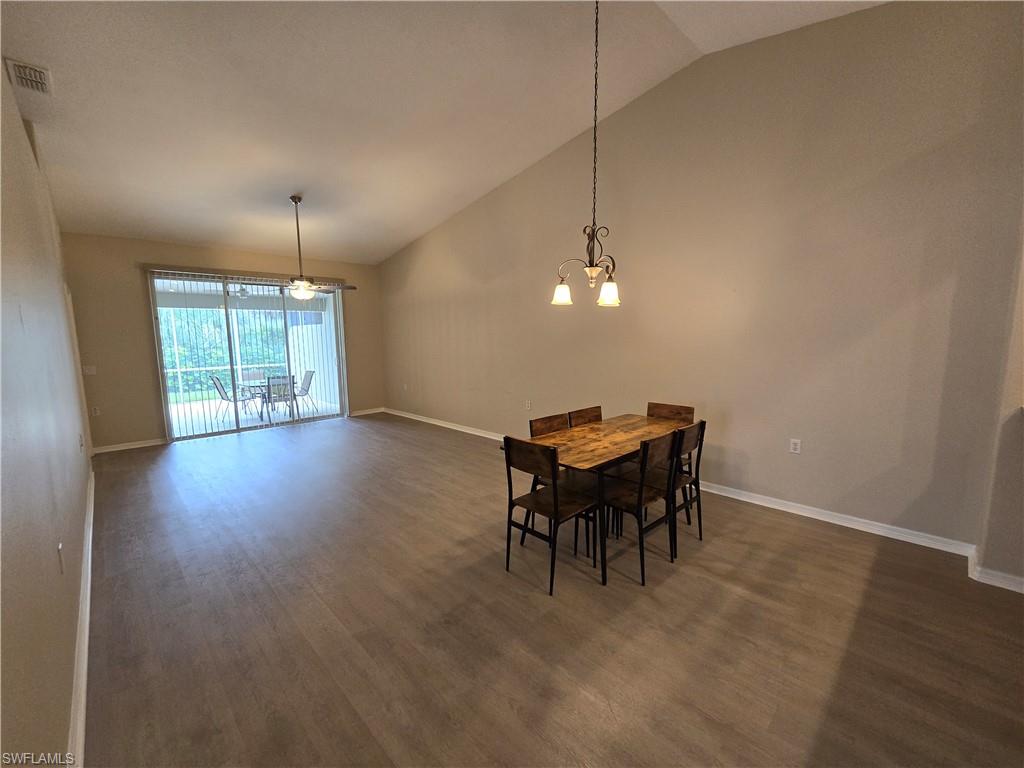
(597, 260)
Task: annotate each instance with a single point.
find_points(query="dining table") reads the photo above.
(600, 445)
(258, 386)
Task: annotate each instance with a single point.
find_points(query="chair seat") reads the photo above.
(571, 502)
(657, 478)
(622, 494)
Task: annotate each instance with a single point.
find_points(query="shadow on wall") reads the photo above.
(898, 657)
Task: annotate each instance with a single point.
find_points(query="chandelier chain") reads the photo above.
(593, 211)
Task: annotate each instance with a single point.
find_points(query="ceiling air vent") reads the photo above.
(25, 75)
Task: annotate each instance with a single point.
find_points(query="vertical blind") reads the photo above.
(240, 353)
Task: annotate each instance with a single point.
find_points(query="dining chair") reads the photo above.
(556, 503)
(691, 446)
(545, 425)
(585, 416)
(226, 400)
(303, 390)
(623, 496)
(669, 411)
(685, 479)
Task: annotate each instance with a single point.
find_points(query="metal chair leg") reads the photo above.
(670, 508)
(575, 535)
(554, 553)
(686, 505)
(640, 539)
(508, 538)
(527, 521)
(700, 524)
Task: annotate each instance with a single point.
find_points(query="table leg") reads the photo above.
(601, 525)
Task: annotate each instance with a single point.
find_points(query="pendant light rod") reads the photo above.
(597, 20)
(296, 199)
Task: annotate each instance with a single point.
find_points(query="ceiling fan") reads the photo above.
(301, 287)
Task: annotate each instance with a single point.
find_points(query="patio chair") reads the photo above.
(280, 389)
(226, 400)
(303, 390)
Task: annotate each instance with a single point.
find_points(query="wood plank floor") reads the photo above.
(334, 594)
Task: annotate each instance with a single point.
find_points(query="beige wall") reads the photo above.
(818, 237)
(45, 468)
(115, 325)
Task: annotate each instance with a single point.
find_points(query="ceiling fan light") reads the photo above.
(302, 290)
(609, 296)
(562, 297)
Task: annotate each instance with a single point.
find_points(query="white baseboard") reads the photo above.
(435, 422)
(76, 728)
(993, 577)
(847, 521)
(127, 446)
(985, 575)
(367, 412)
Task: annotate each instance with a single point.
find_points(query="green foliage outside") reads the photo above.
(197, 338)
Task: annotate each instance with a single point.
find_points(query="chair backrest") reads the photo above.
(279, 387)
(532, 459)
(669, 411)
(657, 453)
(585, 416)
(307, 379)
(691, 442)
(545, 425)
(219, 386)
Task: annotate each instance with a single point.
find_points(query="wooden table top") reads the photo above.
(601, 443)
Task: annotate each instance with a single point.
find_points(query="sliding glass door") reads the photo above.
(240, 353)
(256, 315)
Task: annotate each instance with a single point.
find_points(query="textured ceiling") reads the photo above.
(193, 122)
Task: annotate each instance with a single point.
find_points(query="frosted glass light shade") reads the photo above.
(562, 297)
(302, 290)
(609, 296)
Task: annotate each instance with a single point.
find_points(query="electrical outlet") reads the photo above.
(529, 404)
(794, 445)
(95, 411)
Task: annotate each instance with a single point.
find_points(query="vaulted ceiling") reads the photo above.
(193, 122)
